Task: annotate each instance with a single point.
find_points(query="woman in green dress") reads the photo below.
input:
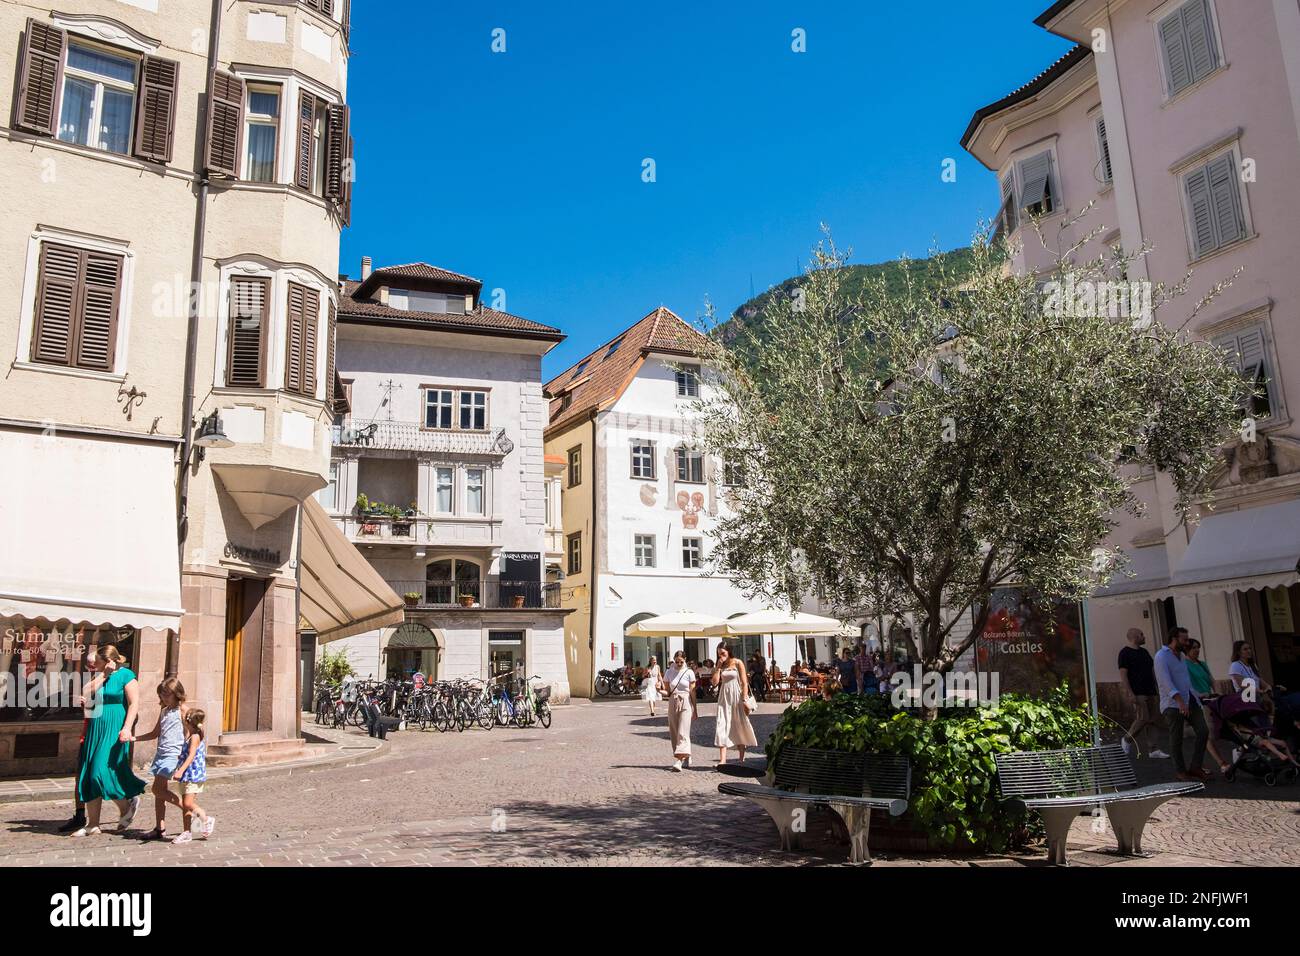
(104, 773)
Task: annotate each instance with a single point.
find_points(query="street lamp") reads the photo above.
(210, 435)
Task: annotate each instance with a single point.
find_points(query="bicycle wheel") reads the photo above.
(484, 715)
(544, 716)
(523, 714)
(357, 716)
(442, 719)
(602, 686)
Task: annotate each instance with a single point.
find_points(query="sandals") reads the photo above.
(87, 831)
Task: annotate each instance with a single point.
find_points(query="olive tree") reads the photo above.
(907, 451)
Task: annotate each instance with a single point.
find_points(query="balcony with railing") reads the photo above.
(412, 436)
(420, 530)
(492, 593)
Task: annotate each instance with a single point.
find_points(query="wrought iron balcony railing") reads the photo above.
(412, 436)
(492, 593)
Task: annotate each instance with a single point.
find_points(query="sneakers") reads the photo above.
(127, 817)
(1157, 754)
(677, 765)
(208, 826)
(184, 837)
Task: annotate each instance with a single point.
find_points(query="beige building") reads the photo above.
(155, 147)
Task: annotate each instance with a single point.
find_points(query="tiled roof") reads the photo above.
(418, 274)
(482, 320)
(605, 374)
(1043, 80)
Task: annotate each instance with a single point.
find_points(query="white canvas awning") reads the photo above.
(682, 623)
(1249, 549)
(775, 622)
(1240, 550)
(1148, 571)
(90, 531)
(341, 594)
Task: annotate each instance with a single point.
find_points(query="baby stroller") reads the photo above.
(1244, 725)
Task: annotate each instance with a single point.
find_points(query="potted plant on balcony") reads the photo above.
(412, 598)
(363, 506)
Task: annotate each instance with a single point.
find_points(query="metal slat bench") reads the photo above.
(1058, 783)
(850, 784)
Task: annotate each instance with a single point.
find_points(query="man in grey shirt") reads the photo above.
(1180, 705)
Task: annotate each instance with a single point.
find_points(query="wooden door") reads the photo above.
(234, 653)
(243, 703)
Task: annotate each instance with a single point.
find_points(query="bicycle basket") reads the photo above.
(542, 694)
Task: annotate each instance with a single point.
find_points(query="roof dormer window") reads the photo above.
(437, 302)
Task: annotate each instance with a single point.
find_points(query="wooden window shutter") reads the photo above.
(331, 372)
(347, 185)
(306, 140)
(155, 109)
(293, 351)
(57, 295)
(1173, 46)
(336, 153)
(327, 7)
(97, 332)
(1225, 194)
(1200, 209)
(225, 124)
(246, 339)
(310, 330)
(78, 297)
(40, 74)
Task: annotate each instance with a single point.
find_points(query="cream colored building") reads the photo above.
(149, 150)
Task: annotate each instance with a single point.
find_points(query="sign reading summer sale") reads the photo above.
(1033, 649)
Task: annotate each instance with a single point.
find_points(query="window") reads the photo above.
(1188, 48)
(436, 302)
(474, 498)
(442, 495)
(582, 367)
(692, 553)
(643, 550)
(1104, 172)
(1247, 350)
(438, 404)
(261, 134)
(575, 552)
(473, 411)
(1010, 211)
(1215, 209)
(250, 298)
(643, 460)
(78, 301)
(733, 472)
(575, 466)
(329, 495)
(323, 147)
(300, 346)
(688, 381)
(613, 347)
(1037, 191)
(98, 99)
(690, 465)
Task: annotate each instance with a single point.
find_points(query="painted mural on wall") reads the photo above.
(1033, 645)
(690, 504)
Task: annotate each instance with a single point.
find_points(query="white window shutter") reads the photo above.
(1198, 31)
(1036, 174)
(1225, 192)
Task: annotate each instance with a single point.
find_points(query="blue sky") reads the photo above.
(523, 168)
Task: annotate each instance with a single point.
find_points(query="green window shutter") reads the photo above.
(1173, 46)
(1225, 195)
(1201, 210)
(1198, 31)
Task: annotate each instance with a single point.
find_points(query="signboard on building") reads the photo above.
(521, 576)
(1280, 619)
(1033, 645)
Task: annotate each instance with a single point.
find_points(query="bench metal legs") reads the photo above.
(782, 813)
(1128, 818)
(1057, 820)
(857, 820)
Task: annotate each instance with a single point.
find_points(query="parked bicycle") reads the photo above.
(533, 705)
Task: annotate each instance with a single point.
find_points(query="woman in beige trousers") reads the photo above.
(680, 684)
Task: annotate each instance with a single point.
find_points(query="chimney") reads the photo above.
(366, 266)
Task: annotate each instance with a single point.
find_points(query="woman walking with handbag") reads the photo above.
(734, 706)
(680, 681)
(112, 701)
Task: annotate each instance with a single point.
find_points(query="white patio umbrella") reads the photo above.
(772, 621)
(677, 624)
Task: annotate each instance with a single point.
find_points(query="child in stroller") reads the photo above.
(1245, 726)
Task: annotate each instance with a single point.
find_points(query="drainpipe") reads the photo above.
(591, 588)
(196, 281)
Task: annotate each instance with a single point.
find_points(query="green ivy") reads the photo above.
(954, 793)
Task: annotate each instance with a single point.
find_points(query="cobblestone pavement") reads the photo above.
(595, 789)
